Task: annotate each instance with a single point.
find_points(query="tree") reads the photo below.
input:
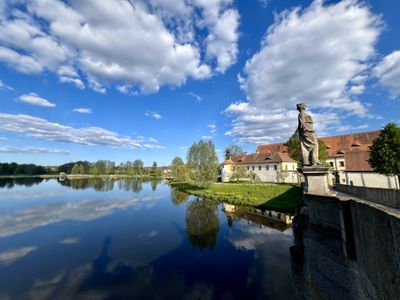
(202, 224)
(93, 170)
(75, 169)
(179, 170)
(233, 150)
(138, 167)
(81, 169)
(154, 168)
(385, 151)
(294, 148)
(202, 163)
(238, 172)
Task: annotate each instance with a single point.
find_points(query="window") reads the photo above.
(286, 167)
(294, 167)
(331, 163)
(275, 167)
(267, 168)
(252, 168)
(342, 163)
(259, 168)
(248, 168)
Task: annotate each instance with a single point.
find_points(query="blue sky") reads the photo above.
(122, 80)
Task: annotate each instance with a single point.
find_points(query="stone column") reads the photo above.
(316, 180)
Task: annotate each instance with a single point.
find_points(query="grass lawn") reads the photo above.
(271, 196)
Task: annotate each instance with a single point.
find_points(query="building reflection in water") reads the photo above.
(269, 218)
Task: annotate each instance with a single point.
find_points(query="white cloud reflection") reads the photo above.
(84, 210)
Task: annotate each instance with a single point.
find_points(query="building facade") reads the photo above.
(266, 167)
(348, 157)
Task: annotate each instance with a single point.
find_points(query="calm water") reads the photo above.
(128, 239)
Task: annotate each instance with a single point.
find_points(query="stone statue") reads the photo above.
(308, 138)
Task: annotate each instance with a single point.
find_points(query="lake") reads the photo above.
(133, 239)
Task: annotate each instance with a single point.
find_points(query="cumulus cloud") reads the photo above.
(35, 99)
(145, 44)
(30, 150)
(260, 126)
(91, 136)
(83, 110)
(319, 55)
(153, 114)
(388, 73)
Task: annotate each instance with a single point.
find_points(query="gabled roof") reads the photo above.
(357, 161)
(257, 158)
(336, 145)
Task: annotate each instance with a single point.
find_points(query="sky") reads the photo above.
(123, 80)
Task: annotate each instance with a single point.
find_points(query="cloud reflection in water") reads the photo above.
(83, 210)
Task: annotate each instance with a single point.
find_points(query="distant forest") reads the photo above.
(101, 167)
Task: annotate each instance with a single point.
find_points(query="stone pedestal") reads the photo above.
(316, 180)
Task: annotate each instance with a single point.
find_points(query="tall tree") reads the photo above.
(202, 163)
(385, 151)
(138, 167)
(75, 169)
(233, 150)
(154, 168)
(294, 148)
(179, 170)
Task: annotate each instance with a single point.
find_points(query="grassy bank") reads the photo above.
(280, 197)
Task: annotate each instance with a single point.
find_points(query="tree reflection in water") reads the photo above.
(11, 182)
(178, 197)
(202, 223)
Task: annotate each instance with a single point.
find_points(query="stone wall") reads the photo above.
(371, 179)
(351, 250)
(388, 197)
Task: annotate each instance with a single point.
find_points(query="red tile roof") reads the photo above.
(357, 161)
(337, 145)
(257, 158)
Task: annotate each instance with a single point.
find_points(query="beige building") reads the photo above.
(348, 156)
(267, 167)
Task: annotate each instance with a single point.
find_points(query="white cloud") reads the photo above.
(83, 110)
(91, 136)
(388, 73)
(35, 99)
(96, 39)
(153, 114)
(222, 41)
(260, 126)
(197, 97)
(30, 150)
(206, 137)
(319, 55)
(4, 86)
(212, 127)
(312, 55)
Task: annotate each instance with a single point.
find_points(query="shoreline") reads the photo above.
(267, 196)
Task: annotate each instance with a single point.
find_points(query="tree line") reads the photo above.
(22, 169)
(106, 167)
(100, 167)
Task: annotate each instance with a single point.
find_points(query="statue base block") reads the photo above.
(316, 180)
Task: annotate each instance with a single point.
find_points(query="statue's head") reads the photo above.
(301, 106)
